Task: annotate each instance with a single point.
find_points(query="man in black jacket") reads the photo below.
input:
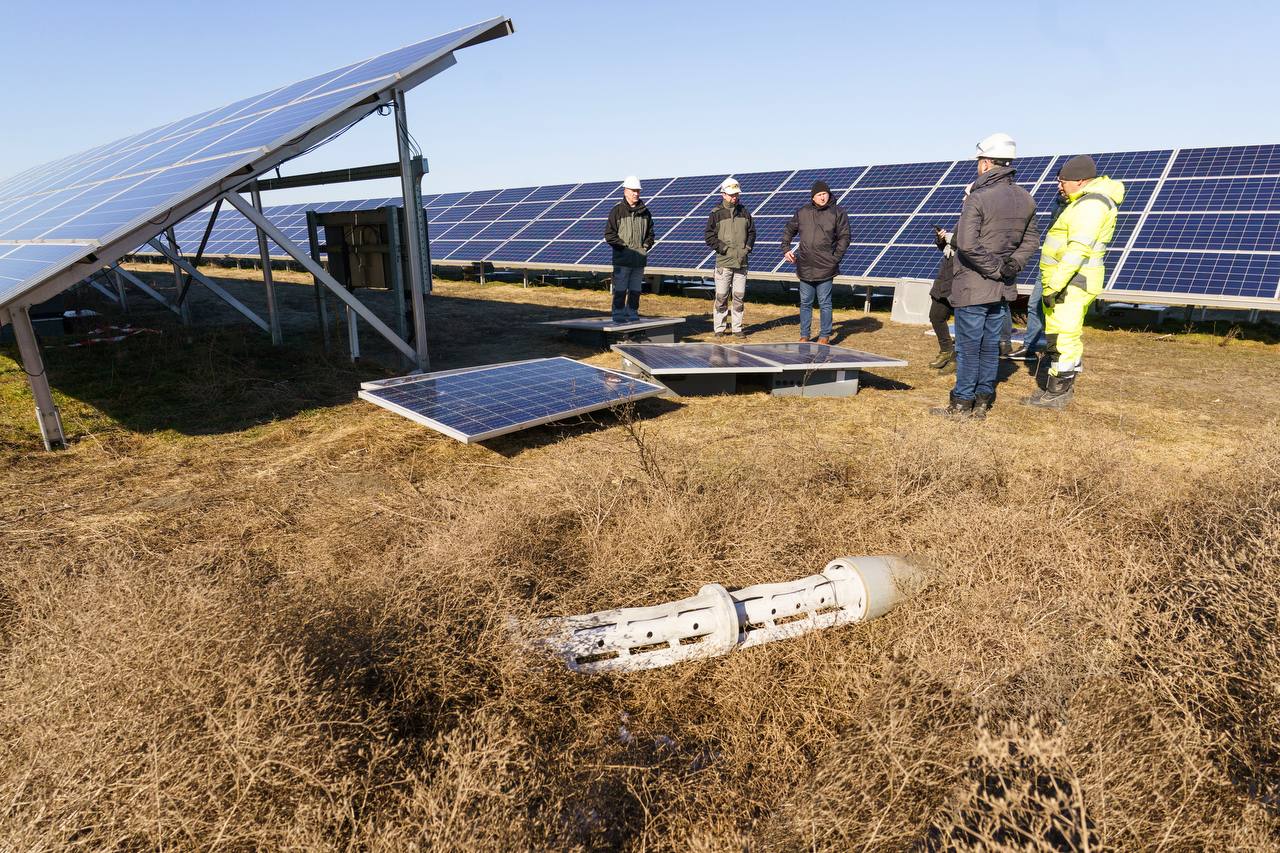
(732, 233)
(994, 240)
(824, 238)
(629, 230)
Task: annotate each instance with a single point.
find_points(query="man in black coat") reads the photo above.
(824, 238)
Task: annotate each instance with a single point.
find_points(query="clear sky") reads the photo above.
(597, 90)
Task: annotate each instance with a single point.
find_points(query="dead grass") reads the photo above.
(292, 633)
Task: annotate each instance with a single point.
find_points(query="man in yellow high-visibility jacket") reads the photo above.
(1071, 271)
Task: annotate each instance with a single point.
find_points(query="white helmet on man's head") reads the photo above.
(631, 182)
(997, 146)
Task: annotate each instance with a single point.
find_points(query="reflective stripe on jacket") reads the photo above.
(1075, 248)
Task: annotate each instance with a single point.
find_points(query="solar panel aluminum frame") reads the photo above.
(626, 351)
(124, 241)
(366, 389)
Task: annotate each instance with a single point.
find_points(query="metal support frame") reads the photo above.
(319, 272)
(204, 242)
(395, 268)
(218, 290)
(415, 232)
(322, 307)
(124, 275)
(108, 292)
(184, 309)
(47, 415)
(273, 317)
(118, 281)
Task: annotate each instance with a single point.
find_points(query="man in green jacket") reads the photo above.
(732, 233)
(629, 230)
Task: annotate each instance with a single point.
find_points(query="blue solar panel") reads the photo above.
(875, 229)
(551, 193)
(905, 174)
(474, 250)
(837, 179)
(947, 200)
(793, 355)
(600, 255)
(769, 229)
(457, 213)
(518, 250)
(480, 197)
(526, 210)
(598, 190)
(585, 229)
(784, 204)
(919, 231)
(856, 260)
(676, 358)
(1250, 232)
(448, 199)
(761, 182)
(1209, 273)
(668, 208)
(25, 262)
(461, 230)
(692, 228)
(680, 255)
(543, 229)
(511, 196)
(899, 200)
(570, 209)
(1129, 165)
(1240, 160)
(489, 212)
(908, 262)
(1220, 194)
(697, 185)
(475, 405)
(499, 230)
(567, 252)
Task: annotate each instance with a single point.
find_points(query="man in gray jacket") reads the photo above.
(994, 240)
(732, 233)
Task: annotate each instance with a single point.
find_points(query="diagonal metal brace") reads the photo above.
(217, 289)
(145, 288)
(321, 274)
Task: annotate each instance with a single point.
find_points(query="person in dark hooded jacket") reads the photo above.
(823, 228)
(629, 231)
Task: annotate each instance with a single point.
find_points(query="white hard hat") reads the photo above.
(997, 146)
(730, 186)
(631, 182)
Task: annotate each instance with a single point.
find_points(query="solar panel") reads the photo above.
(1248, 232)
(662, 359)
(1237, 161)
(698, 185)
(1207, 273)
(761, 182)
(483, 403)
(894, 200)
(905, 174)
(113, 197)
(671, 254)
(827, 356)
(907, 262)
(837, 178)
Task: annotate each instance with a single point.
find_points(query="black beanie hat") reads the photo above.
(1078, 168)
(819, 187)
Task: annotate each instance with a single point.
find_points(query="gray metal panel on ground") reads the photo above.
(666, 359)
(801, 356)
(486, 402)
(112, 198)
(606, 324)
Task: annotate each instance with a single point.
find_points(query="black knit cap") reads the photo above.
(819, 187)
(1078, 168)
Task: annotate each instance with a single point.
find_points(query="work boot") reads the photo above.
(944, 358)
(824, 340)
(1023, 351)
(957, 408)
(1006, 347)
(981, 405)
(718, 334)
(739, 334)
(1056, 394)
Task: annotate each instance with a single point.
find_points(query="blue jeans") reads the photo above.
(823, 291)
(1034, 338)
(627, 283)
(978, 331)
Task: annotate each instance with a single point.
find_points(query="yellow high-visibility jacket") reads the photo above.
(1076, 245)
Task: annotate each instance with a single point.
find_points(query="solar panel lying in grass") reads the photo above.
(803, 356)
(484, 402)
(661, 359)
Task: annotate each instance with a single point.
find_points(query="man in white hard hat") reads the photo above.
(629, 230)
(732, 233)
(994, 240)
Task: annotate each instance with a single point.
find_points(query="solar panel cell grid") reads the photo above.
(519, 250)
(1254, 232)
(905, 174)
(836, 178)
(554, 192)
(488, 212)
(526, 210)
(462, 230)
(598, 190)
(784, 204)
(569, 209)
(1131, 165)
(898, 200)
(688, 357)
(761, 182)
(680, 255)
(480, 197)
(1241, 160)
(585, 229)
(1200, 273)
(855, 262)
(497, 230)
(945, 200)
(692, 228)
(543, 229)
(567, 252)
(474, 250)
(1220, 194)
(908, 262)
(874, 229)
(512, 196)
(696, 185)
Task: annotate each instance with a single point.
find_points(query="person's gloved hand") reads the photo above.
(1052, 299)
(1009, 270)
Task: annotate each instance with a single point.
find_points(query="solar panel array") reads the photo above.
(128, 190)
(1194, 222)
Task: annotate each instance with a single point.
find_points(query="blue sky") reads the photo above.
(597, 90)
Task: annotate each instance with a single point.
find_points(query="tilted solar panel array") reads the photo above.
(1194, 222)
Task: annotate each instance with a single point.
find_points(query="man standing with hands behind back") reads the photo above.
(824, 238)
(732, 233)
(629, 230)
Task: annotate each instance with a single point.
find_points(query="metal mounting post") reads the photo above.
(184, 308)
(395, 268)
(118, 281)
(313, 267)
(415, 233)
(219, 291)
(29, 349)
(272, 317)
(322, 308)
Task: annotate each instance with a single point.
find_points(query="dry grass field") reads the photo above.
(246, 611)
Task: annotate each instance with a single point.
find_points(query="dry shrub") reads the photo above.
(305, 656)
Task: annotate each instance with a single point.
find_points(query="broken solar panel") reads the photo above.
(485, 402)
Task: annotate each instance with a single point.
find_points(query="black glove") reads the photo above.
(1009, 270)
(1051, 299)
(940, 239)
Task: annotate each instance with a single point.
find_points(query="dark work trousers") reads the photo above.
(939, 314)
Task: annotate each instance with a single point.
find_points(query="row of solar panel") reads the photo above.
(892, 213)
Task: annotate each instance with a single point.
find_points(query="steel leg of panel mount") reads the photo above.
(322, 307)
(184, 308)
(103, 289)
(418, 250)
(204, 242)
(33, 365)
(215, 288)
(310, 265)
(118, 282)
(273, 316)
(395, 269)
(125, 275)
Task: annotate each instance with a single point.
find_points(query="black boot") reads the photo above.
(982, 405)
(955, 409)
(1056, 394)
(944, 358)
(1006, 347)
